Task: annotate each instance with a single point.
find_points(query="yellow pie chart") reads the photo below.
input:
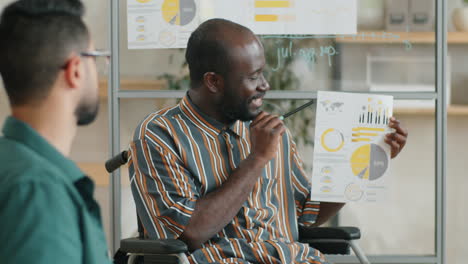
(369, 162)
(179, 12)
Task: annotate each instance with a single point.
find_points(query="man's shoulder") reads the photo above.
(166, 114)
(32, 188)
(32, 205)
(17, 157)
(159, 121)
(20, 165)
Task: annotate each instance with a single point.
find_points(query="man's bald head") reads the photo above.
(209, 46)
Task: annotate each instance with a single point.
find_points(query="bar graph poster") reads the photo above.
(169, 23)
(351, 158)
(289, 16)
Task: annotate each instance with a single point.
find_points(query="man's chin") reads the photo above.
(244, 114)
(85, 115)
(86, 119)
(251, 115)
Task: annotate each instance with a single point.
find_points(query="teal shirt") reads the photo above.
(47, 210)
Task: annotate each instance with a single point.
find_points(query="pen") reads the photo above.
(296, 110)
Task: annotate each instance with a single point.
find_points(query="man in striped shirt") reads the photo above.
(217, 172)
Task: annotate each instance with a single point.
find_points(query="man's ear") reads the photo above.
(73, 72)
(214, 82)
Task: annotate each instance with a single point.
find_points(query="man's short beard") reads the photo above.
(86, 113)
(239, 111)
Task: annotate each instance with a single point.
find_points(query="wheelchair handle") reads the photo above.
(117, 161)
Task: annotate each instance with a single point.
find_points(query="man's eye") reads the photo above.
(253, 78)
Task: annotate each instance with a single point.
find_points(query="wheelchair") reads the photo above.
(140, 250)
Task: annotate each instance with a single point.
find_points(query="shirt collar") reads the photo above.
(21, 132)
(208, 124)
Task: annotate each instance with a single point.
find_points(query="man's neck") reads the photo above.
(205, 104)
(51, 122)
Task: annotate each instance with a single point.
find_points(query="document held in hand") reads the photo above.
(351, 159)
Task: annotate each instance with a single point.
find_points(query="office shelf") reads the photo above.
(382, 37)
(452, 110)
(132, 84)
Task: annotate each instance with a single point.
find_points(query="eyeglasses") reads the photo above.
(94, 54)
(97, 53)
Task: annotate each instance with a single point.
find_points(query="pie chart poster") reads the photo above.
(160, 24)
(351, 159)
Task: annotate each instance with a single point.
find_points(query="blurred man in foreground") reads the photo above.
(48, 67)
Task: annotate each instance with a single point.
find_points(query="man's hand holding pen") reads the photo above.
(266, 131)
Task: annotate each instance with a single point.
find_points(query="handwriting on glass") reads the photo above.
(308, 54)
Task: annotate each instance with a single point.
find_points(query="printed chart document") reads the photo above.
(289, 16)
(156, 24)
(351, 159)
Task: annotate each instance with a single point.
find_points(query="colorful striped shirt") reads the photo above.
(179, 154)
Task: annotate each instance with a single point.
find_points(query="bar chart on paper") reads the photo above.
(288, 16)
(274, 11)
(304, 16)
(374, 113)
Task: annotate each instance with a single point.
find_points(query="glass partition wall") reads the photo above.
(409, 62)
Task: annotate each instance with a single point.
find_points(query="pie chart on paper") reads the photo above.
(369, 162)
(179, 12)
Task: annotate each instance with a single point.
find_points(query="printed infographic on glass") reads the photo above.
(158, 24)
(289, 16)
(351, 159)
(169, 23)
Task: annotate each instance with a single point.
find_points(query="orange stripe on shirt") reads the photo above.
(212, 161)
(196, 155)
(143, 188)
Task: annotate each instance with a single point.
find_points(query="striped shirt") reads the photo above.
(179, 154)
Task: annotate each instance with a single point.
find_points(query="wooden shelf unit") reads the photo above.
(382, 37)
(133, 84)
(452, 110)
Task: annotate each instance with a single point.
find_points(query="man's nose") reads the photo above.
(264, 86)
